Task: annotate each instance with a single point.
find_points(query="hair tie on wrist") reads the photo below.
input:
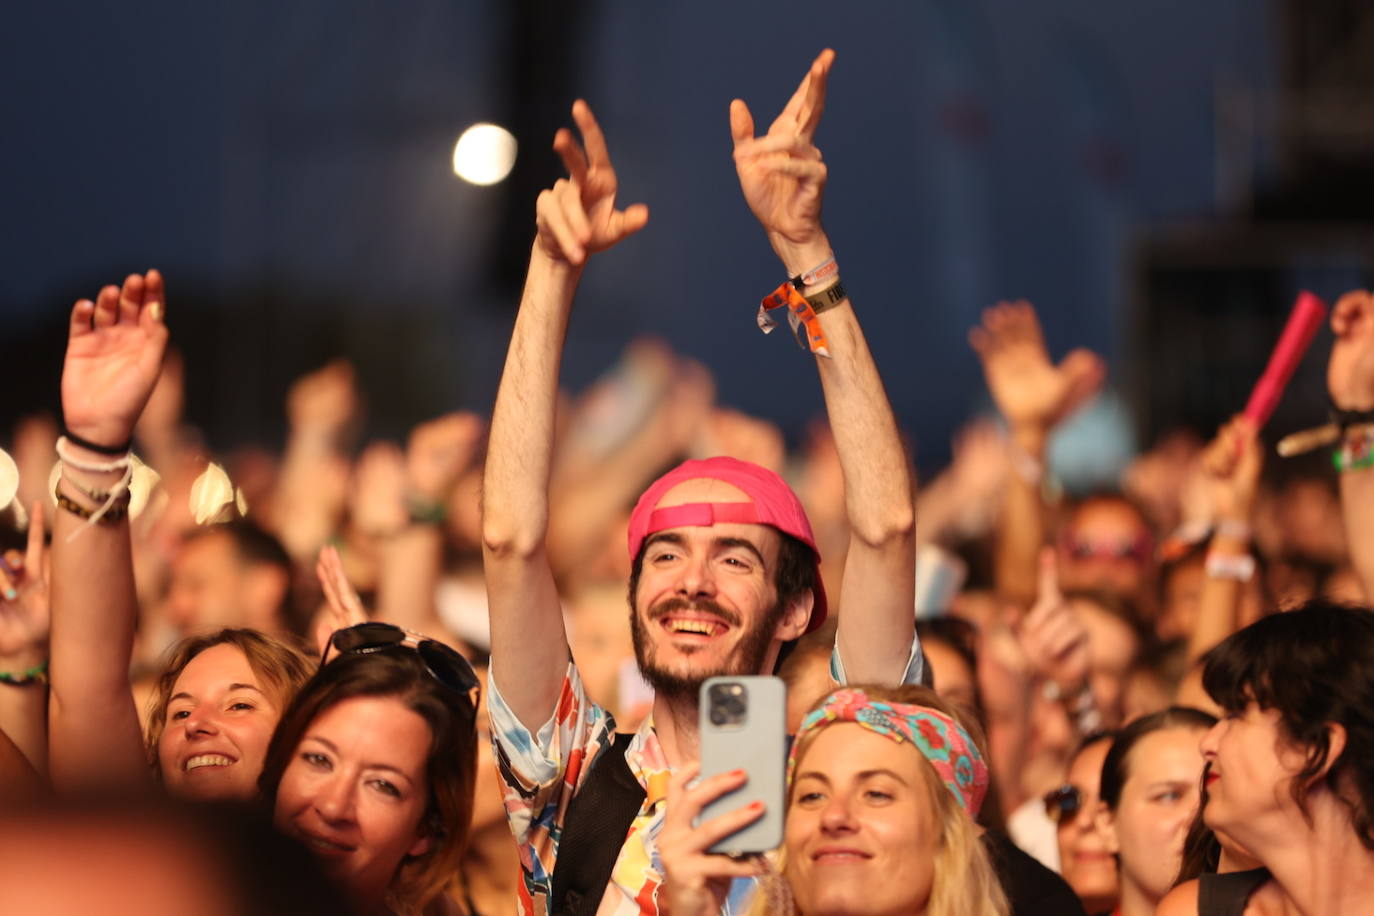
(116, 450)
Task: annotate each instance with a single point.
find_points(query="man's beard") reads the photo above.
(746, 658)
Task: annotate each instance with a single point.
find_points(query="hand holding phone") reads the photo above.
(697, 881)
(743, 728)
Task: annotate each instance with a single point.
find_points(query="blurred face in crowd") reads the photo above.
(861, 824)
(207, 588)
(1107, 546)
(1085, 858)
(1158, 801)
(1182, 589)
(954, 679)
(1112, 648)
(220, 718)
(1250, 776)
(213, 587)
(705, 603)
(355, 791)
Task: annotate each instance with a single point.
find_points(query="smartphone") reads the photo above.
(744, 727)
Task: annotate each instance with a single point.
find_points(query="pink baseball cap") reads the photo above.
(772, 502)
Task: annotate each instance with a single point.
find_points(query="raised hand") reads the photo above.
(781, 173)
(114, 354)
(1032, 393)
(324, 403)
(379, 490)
(698, 881)
(1350, 373)
(345, 608)
(1053, 638)
(440, 450)
(24, 605)
(1231, 465)
(578, 216)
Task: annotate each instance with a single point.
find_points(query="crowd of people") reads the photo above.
(413, 680)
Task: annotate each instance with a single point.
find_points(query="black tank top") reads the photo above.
(1226, 895)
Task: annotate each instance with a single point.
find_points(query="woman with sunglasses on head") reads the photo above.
(373, 764)
(1085, 858)
(883, 788)
(219, 699)
(1149, 788)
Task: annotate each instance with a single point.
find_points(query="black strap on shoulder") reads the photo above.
(594, 830)
(1228, 894)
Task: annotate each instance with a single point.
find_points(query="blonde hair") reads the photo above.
(281, 666)
(964, 883)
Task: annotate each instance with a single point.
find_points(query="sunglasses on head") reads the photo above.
(442, 662)
(1063, 803)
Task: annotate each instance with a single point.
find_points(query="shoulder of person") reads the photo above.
(1181, 901)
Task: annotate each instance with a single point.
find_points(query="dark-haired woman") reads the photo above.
(1150, 782)
(1289, 776)
(372, 768)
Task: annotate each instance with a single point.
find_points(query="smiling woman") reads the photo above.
(885, 787)
(372, 768)
(213, 711)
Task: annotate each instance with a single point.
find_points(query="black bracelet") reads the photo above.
(115, 450)
(1348, 418)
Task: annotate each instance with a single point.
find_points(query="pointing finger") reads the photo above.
(592, 137)
(1049, 576)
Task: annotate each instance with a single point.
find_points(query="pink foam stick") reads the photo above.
(1308, 314)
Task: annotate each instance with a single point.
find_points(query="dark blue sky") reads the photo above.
(287, 165)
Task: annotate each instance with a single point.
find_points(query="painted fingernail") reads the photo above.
(756, 806)
(156, 309)
(10, 594)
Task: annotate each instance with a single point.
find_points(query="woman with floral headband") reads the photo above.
(883, 788)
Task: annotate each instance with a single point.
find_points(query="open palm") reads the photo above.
(114, 354)
(1027, 387)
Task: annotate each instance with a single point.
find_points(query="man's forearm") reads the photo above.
(879, 582)
(515, 502)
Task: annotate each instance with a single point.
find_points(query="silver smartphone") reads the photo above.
(744, 727)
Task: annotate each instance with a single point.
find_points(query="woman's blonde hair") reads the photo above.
(964, 882)
(281, 666)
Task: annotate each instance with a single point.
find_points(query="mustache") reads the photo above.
(703, 605)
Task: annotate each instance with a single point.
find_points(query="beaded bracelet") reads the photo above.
(38, 674)
(1356, 452)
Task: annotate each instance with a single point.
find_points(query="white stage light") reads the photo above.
(484, 154)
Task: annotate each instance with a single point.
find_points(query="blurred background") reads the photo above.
(1159, 177)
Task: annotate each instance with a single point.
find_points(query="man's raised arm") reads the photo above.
(782, 177)
(575, 218)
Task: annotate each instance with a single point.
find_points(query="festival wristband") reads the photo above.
(824, 272)
(800, 315)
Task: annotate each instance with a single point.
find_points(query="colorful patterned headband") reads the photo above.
(938, 737)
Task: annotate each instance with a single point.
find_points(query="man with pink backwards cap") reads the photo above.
(725, 569)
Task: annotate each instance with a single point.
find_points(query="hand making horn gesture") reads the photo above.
(577, 216)
(781, 173)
